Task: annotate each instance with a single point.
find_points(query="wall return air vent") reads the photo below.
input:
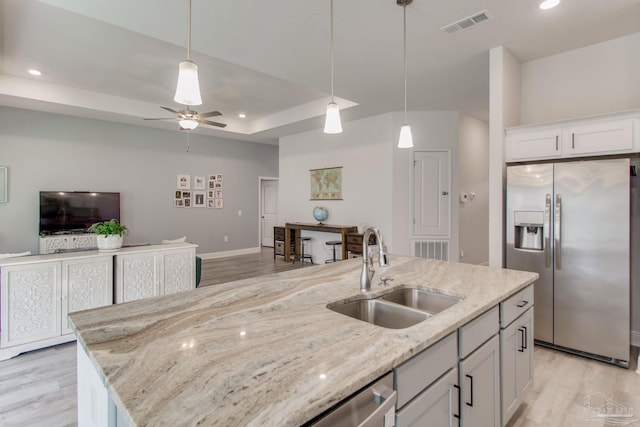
(466, 23)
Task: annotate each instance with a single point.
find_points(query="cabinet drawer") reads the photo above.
(278, 233)
(517, 304)
(417, 373)
(479, 330)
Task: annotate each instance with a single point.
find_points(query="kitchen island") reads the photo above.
(266, 350)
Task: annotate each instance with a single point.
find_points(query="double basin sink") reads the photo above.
(398, 309)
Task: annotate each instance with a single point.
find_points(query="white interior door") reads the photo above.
(269, 211)
(431, 198)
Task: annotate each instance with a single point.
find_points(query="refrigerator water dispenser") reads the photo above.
(528, 229)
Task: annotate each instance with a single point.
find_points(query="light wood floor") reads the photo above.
(222, 270)
(39, 388)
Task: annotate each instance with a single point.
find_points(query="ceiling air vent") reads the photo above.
(466, 23)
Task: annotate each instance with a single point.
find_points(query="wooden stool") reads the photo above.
(302, 240)
(333, 243)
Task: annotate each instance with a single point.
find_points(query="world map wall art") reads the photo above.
(326, 184)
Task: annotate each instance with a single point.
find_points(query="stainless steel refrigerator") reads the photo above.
(571, 223)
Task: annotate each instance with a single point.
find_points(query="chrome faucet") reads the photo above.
(367, 261)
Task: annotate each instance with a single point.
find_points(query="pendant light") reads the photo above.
(188, 88)
(549, 4)
(332, 122)
(406, 139)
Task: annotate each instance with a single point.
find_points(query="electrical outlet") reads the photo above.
(226, 238)
(239, 213)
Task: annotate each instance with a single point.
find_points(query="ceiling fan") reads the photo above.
(189, 119)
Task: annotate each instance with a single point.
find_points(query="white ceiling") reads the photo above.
(118, 59)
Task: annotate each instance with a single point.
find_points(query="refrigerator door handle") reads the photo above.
(547, 232)
(558, 235)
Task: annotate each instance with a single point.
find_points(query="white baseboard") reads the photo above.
(635, 338)
(224, 254)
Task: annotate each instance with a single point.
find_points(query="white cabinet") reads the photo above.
(535, 145)
(611, 137)
(156, 272)
(479, 371)
(51, 244)
(87, 283)
(31, 307)
(38, 296)
(603, 135)
(516, 351)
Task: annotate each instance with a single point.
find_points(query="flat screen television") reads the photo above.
(75, 211)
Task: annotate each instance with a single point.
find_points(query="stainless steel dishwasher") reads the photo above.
(373, 406)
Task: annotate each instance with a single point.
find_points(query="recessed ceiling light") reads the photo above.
(548, 4)
(34, 72)
(242, 115)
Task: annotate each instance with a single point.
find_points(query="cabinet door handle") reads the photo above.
(522, 304)
(470, 389)
(573, 140)
(556, 142)
(521, 349)
(457, 387)
(526, 338)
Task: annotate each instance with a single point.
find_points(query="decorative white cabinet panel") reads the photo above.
(51, 244)
(31, 297)
(137, 276)
(87, 283)
(160, 272)
(591, 136)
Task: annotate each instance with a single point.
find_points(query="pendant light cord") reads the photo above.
(189, 36)
(404, 53)
(331, 50)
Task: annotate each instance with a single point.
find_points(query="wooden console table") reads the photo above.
(295, 227)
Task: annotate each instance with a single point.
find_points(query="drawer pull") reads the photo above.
(470, 389)
(522, 304)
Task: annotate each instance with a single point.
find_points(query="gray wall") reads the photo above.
(61, 153)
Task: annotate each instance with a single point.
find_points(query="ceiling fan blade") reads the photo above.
(210, 123)
(160, 118)
(170, 110)
(210, 114)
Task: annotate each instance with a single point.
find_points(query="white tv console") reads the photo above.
(39, 291)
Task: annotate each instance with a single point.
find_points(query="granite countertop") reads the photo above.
(266, 350)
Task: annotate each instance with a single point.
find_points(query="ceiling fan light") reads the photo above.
(332, 123)
(406, 139)
(549, 4)
(188, 124)
(188, 88)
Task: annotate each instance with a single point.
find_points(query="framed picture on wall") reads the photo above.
(186, 199)
(210, 203)
(198, 199)
(218, 193)
(198, 183)
(326, 184)
(218, 203)
(210, 194)
(184, 182)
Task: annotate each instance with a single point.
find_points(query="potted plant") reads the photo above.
(109, 234)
